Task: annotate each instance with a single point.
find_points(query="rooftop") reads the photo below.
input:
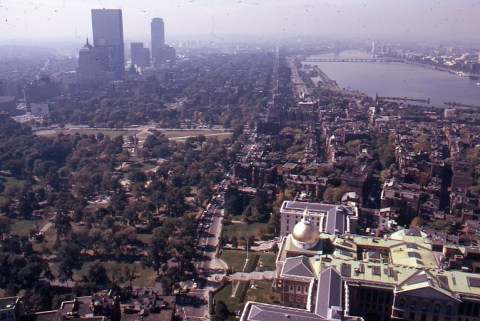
(8, 303)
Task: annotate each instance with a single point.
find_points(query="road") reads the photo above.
(299, 87)
(211, 270)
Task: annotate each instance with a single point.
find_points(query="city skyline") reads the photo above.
(212, 19)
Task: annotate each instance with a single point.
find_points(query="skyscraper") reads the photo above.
(158, 39)
(136, 52)
(107, 28)
(88, 63)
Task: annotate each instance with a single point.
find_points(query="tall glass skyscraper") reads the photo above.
(107, 25)
(158, 39)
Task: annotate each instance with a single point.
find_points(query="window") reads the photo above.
(401, 303)
(413, 305)
(436, 309)
(412, 316)
(424, 306)
(449, 310)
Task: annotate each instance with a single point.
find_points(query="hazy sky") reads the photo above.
(415, 19)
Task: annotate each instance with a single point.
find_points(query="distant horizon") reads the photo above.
(395, 20)
(236, 38)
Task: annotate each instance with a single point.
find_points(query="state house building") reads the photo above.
(327, 276)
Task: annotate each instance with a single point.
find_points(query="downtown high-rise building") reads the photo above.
(158, 39)
(136, 53)
(107, 26)
(140, 56)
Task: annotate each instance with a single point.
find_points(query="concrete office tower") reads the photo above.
(136, 53)
(107, 28)
(88, 63)
(158, 39)
(146, 57)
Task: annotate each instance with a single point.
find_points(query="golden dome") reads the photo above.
(305, 232)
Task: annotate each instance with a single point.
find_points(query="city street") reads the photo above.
(211, 270)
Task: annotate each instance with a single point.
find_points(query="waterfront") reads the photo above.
(399, 80)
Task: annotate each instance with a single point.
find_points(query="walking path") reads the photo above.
(241, 276)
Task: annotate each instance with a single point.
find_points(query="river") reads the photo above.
(396, 79)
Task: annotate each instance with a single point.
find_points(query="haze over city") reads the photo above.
(251, 160)
(220, 19)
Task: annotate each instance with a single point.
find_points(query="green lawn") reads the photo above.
(219, 135)
(260, 292)
(48, 242)
(7, 181)
(187, 133)
(234, 259)
(145, 238)
(268, 261)
(23, 227)
(225, 295)
(239, 230)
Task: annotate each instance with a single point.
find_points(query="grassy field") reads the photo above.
(236, 260)
(262, 292)
(187, 133)
(146, 276)
(220, 135)
(239, 230)
(267, 260)
(48, 242)
(225, 295)
(145, 238)
(259, 291)
(7, 181)
(23, 227)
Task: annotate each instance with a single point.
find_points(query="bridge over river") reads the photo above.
(353, 60)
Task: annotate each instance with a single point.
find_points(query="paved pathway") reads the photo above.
(46, 227)
(241, 276)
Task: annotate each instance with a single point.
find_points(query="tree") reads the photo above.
(158, 248)
(416, 222)
(130, 274)
(256, 210)
(70, 259)
(5, 225)
(221, 311)
(275, 248)
(333, 195)
(96, 274)
(62, 224)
